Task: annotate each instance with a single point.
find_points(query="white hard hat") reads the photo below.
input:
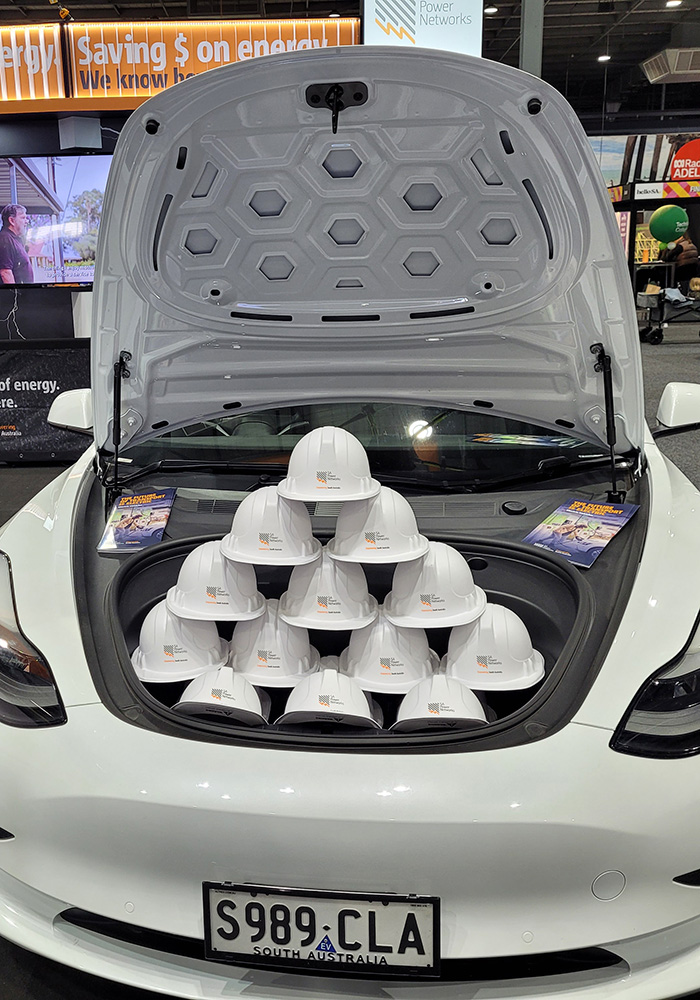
(381, 529)
(328, 595)
(334, 663)
(212, 588)
(224, 693)
(328, 463)
(175, 649)
(494, 653)
(439, 702)
(435, 591)
(385, 657)
(269, 652)
(329, 696)
(269, 530)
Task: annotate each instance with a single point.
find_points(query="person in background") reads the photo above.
(15, 266)
(684, 254)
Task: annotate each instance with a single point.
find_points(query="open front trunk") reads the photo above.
(567, 612)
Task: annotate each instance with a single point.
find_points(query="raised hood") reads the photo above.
(453, 241)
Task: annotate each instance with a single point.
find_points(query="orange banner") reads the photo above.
(138, 59)
(31, 67)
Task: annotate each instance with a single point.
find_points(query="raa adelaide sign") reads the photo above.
(686, 162)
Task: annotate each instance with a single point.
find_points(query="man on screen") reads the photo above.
(15, 266)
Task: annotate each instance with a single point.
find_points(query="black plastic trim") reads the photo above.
(437, 313)
(482, 970)
(539, 208)
(690, 878)
(167, 201)
(6, 835)
(270, 317)
(359, 318)
(504, 136)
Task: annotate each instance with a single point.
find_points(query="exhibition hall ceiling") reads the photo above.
(576, 33)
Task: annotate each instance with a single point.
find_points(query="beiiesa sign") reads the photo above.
(450, 25)
(141, 59)
(686, 162)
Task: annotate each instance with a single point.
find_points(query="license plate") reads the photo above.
(369, 933)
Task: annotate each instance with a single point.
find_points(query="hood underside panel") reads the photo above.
(453, 240)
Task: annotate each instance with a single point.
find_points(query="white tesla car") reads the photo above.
(418, 248)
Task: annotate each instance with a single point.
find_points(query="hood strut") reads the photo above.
(603, 364)
(120, 372)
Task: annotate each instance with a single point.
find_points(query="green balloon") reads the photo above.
(668, 223)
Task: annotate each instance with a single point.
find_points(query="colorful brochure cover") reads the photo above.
(137, 521)
(579, 530)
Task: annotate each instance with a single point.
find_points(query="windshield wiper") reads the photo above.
(550, 468)
(439, 486)
(264, 470)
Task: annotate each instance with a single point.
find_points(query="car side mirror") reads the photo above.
(72, 410)
(679, 405)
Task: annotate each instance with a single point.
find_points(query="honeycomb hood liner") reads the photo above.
(454, 232)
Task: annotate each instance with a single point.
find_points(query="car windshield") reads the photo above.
(427, 445)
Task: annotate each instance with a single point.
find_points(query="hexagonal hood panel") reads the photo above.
(452, 242)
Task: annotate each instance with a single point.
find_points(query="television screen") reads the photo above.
(51, 207)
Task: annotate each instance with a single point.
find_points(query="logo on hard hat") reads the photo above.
(385, 662)
(169, 650)
(262, 656)
(216, 693)
(434, 707)
(426, 601)
(264, 538)
(324, 699)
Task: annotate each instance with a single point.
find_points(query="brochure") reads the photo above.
(579, 530)
(137, 521)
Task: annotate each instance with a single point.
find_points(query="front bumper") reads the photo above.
(127, 824)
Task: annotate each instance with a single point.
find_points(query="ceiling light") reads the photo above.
(494, 10)
(673, 3)
(604, 58)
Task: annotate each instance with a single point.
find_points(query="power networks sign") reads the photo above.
(450, 25)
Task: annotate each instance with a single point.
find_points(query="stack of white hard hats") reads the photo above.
(225, 694)
(176, 649)
(494, 653)
(271, 653)
(435, 591)
(328, 595)
(388, 653)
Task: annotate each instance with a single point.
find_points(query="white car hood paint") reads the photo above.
(233, 206)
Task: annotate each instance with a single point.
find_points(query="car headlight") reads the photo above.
(664, 718)
(28, 694)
